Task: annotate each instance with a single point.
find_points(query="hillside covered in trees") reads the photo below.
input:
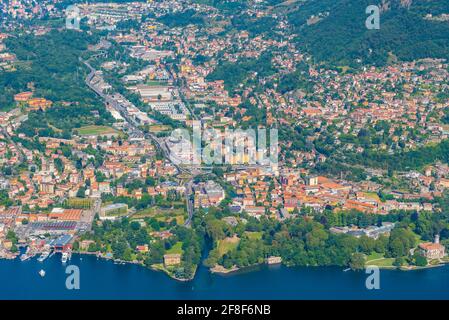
(334, 31)
(50, 65)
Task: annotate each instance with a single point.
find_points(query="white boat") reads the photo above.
(24, 257)
(43, 256)
(42, 273)
(65, 256)
(346, 270)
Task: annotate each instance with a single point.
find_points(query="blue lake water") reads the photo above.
(101, 279)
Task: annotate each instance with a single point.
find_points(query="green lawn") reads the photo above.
(180, 219)
(149, 212)
(156, 83)
(434, 262)
(228, 244)
(177, 248)
(383, 262)
(96, 130)
(386, 262)
(159, 128)
(372, 195)
(377, 259)
(374, 255)
(254, 235)
(117, 213)
(159, 214)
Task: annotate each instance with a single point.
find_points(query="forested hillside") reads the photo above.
(51, 66)
(338, 35)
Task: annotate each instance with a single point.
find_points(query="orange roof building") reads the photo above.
(432, 250)
(39, 103)
(65, 214)
(23, 96)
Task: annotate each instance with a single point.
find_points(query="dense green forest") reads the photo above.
(51, 66)
(230, 6)
(181, 19)
(51, 63)
(408, 160)
(235, 73)
(298, 80)
(350, 164)
(341, 38)
(252, 25)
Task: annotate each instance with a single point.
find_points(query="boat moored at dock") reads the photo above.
(43, 256)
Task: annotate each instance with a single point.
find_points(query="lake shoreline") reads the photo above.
(137, 263)
(220, 270)
(103, 279)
